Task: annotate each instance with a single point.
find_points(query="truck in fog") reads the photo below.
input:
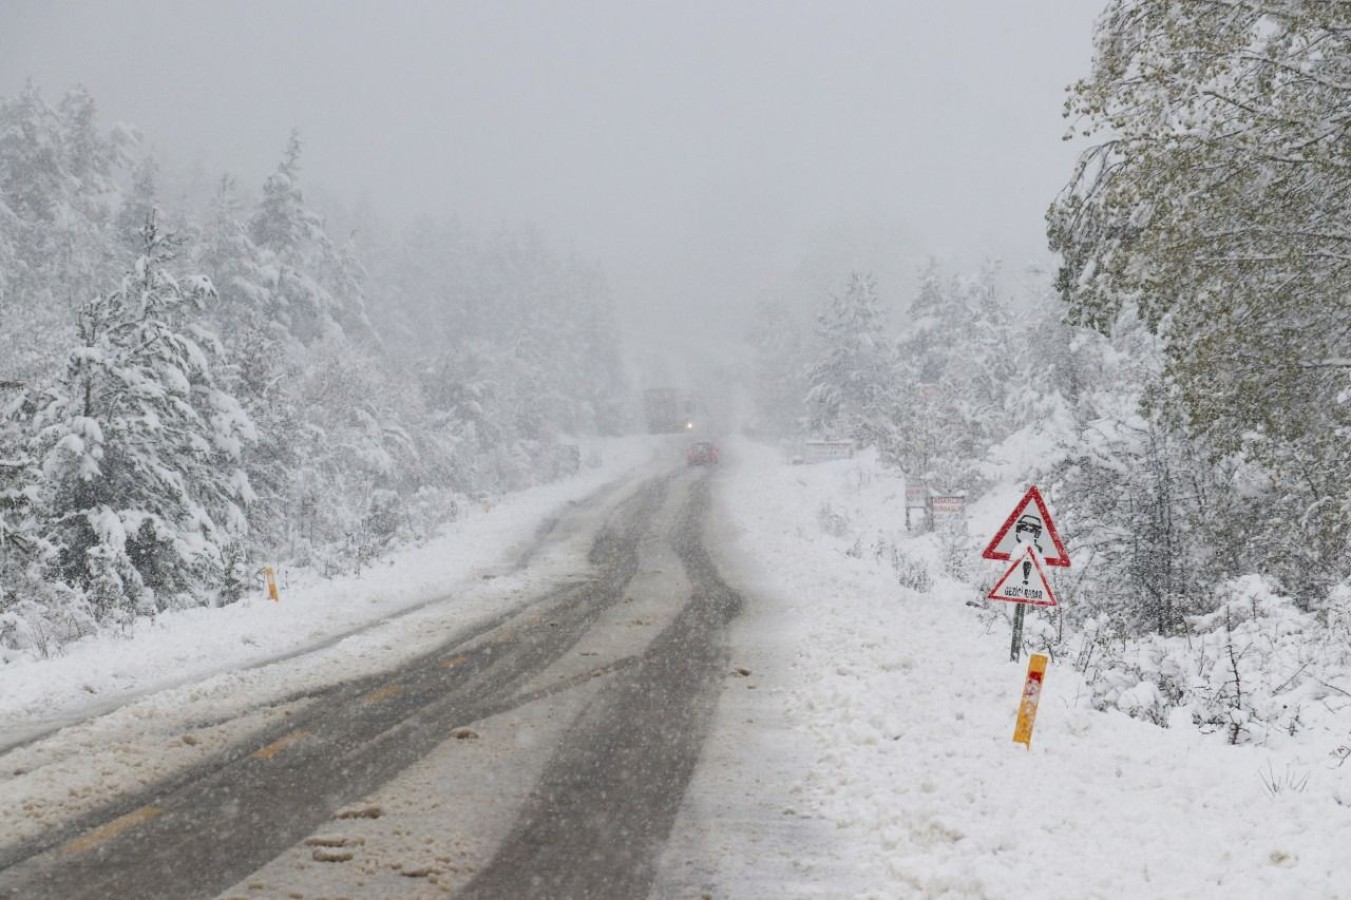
(668, 410)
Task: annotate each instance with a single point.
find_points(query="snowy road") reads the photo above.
(539, 724)
(590, 699)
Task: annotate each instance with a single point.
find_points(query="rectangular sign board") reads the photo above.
(824, 451)
(947, 506)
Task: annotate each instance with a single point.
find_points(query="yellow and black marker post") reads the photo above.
(1027, 709)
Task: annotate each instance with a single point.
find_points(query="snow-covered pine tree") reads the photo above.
(144, 494)
(575, 335)
(138, 204)
(988, 357)
(57, 190)
(25, 600)
(9, 264)
(314, 288)
(947, 372)
(850, 386)
(926, 345)
(260, 365)
(354, 456)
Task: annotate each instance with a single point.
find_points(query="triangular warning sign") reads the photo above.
(1024, 582)
(1029, 523)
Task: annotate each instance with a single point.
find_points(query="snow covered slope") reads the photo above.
(901, 708)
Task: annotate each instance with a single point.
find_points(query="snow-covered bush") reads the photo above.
(911, 571)
(1136, 676)
(47, 617)
(1251, 654)
(956, 548)
(1255, 667)
(832, 520)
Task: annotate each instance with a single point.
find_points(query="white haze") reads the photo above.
(705, 154)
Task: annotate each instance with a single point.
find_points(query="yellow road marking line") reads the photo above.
(453, 661)
(110, 830)
(281, 744)
(383, 693)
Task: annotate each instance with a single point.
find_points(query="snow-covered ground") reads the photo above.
(184, 647)
(862, 746)
(193, 683)
(903, 706)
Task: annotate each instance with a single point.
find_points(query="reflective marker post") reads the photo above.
(1027, 709)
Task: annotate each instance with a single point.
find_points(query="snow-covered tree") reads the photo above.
(1216, 208)
(1133, 491)
(57, 192)
(931, 323)
(139, 203)
(22, 548)
(314, 288)
(850, 385)
(960, 365)
(354, 457)
(261, 363)
(144, 494)
(129, 478)
(599, 383)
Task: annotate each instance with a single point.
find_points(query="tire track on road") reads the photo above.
(604, 807)
(201, 832)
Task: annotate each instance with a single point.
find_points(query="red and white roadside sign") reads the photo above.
(946, 506)
(1024, 582)
(1029, 524)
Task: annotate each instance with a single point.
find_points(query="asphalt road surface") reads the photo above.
(607, 788)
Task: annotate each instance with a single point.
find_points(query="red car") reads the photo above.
(702, 453)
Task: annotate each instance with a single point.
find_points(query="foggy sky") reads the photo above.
(699, 151)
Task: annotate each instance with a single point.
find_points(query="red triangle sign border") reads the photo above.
(1062, 558)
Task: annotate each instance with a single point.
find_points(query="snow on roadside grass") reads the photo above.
(197, 683)
(101, 672)
(912, 699)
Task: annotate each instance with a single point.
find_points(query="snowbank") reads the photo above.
(909, 700)
(106, 670)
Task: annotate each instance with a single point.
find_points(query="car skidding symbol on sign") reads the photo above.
(1027, 530)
